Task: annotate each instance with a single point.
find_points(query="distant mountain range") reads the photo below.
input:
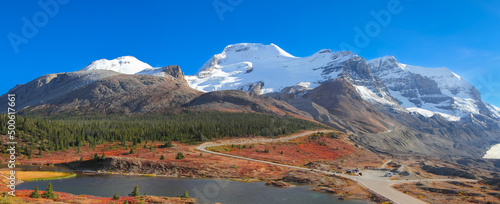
(389, 107)
(385, 81)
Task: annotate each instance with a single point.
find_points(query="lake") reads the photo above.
(204, 190)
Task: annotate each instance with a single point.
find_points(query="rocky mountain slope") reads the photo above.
(269, 69)
(393, 106)
(389, 107)
(101, 89)
(104, 92)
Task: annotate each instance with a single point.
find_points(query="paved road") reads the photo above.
(372, 180)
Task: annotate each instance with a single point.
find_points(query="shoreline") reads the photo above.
(181, 171)
(311, 186)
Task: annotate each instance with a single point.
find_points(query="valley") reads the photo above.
(194, 165)
(332, 121)
(307, 157)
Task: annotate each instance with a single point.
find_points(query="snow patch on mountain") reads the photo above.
(495, 110)
(388, 82)
(160, 71)
(247, 63)
(493, 152)
(268, 68)
(450, 83)
(428, 113)
(466, 105)
(124, 65)
(437, 90)
(370, 96)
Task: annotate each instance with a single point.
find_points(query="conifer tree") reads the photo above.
(135, 193)
(116, 197)
(185, 195)
(35, 194)
(49, 193)
(180, 156)
(168, 144)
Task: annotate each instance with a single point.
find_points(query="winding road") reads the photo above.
(372, 180)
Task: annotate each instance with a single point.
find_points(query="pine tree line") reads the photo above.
(55, 133)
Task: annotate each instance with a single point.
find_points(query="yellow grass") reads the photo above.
(224, 148)
(39, 175)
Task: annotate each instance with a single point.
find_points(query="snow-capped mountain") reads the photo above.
(265, 69)
(390, 106)
(125, 65)
(243, 64)
(427, 91)
(495, 110)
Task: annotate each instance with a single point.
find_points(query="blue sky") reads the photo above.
(460, 35)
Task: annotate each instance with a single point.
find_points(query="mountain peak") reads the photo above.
(245, 64)
(254, 49)
(124, 65)
(389, 58)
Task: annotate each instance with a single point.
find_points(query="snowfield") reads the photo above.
(493, 153)
(242, 64)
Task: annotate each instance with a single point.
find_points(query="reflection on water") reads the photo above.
(205, 190)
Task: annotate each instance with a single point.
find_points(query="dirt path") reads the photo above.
(372, 180)
(385, 164)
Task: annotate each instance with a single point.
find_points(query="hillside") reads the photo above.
(385, 105)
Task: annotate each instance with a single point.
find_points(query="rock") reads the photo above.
(280, 184)
(443, 191)
(448, 171)
(175, 71)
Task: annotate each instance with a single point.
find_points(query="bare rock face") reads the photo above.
(233, 100)
(107, 92)
(254, 88)
(175, 71)
(448, 171)
(53, 87)
(128, 165)
(122, 94)
(279, 184)
(104, 92)
(371, 99)
(338, 104)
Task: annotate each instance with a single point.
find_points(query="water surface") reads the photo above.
(204, 190)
